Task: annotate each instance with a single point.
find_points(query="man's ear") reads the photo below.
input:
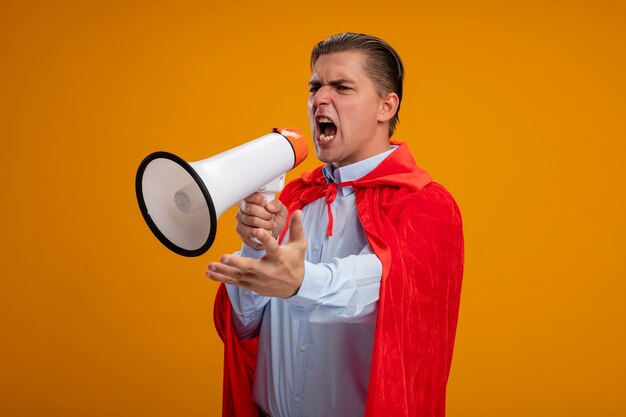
(388, 107)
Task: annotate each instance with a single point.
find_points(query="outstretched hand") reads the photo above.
(279, 273)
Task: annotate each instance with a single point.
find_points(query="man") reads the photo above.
(353, 290)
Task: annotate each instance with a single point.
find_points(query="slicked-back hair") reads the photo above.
(383, 64)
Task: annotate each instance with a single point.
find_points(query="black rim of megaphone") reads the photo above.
(144, 210)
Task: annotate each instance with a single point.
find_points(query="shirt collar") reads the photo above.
(354, 171)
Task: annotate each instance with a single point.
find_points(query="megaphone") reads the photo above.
(182, 201)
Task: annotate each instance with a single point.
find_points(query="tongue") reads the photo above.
(330, 129)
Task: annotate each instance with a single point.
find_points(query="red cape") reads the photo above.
(414, 227)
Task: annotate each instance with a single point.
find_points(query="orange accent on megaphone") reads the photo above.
(298, 142)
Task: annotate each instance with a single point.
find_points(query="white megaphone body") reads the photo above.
(182, 201)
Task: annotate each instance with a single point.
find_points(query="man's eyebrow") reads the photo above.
(339, 81)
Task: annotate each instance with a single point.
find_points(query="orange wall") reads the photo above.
(517, 107)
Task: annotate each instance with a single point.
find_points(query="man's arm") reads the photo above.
(343, 290)
(247, 306)
(340, 291)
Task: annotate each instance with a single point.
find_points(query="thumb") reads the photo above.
(277, 208)
(296, 230)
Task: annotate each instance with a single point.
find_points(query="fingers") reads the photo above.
(276, 207)
(252, 214)
(254, 221)
(254, 205)
(254, 210)
(270, 244)
(231, 270)
(216, 272)
(256, 198)
(246, 234)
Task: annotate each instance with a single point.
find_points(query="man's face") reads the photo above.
(344, 110)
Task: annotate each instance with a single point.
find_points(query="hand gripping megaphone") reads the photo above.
(181, 201)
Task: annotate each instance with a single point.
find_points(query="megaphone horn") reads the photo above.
(182, 201)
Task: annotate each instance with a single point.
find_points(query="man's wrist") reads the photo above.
(312, 286)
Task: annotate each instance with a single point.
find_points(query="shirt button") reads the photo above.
(302, 347)
(317, 247)
(296, 398)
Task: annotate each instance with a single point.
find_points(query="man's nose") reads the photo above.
(321, 96)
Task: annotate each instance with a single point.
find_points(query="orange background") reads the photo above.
(517, 107)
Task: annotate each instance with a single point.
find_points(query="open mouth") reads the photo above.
(327, 129)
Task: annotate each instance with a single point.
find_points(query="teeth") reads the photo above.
(325, 120)
(325, 138)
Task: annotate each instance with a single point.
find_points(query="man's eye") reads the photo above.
(342, 88)
(313, 89)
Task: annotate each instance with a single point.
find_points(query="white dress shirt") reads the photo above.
(315, 348)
